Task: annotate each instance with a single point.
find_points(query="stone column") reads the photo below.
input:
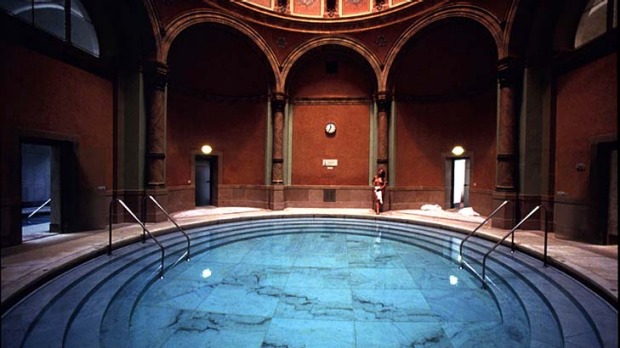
(509, 74)
(383, 109)
(156, 74)
(278, 102)
(509, 78)
(156, 78)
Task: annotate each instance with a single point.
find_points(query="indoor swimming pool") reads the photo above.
(311, 282)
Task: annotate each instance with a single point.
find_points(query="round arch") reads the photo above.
(191, 18)
(155, 53)
(481, 16)
(302, 50)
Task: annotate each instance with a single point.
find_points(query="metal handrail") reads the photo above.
(174, 222)
(163, 253)
(484, 259)
(545, 211)
(39, 208)
(476, 229)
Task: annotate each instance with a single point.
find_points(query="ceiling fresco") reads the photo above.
(328, 9)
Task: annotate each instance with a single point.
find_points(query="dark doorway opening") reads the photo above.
(205, 180)
(40, 190)
(604, 191)
(49, 187)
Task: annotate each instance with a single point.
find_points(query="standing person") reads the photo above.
(379, 183)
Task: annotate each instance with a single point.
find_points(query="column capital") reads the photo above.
(278, 101)
(157, 74)
(509, 71)
(383, 100)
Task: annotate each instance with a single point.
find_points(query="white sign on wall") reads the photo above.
(330, 163)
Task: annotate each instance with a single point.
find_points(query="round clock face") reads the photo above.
(330, 128)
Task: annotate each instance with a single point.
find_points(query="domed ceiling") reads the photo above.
(326, 9)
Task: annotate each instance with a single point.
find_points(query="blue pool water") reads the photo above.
(312, 282)
(317, 290)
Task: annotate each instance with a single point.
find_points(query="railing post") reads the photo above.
(476, 229)
(110, 226)
(144, 229)
(484, 258)
(546, 233)
(174, 222)
(143, 211)
(39, 208)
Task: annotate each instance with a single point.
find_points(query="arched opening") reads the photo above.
(441, 101)
(597, 17)
(71, 24)
(330, 90)
(218, 94)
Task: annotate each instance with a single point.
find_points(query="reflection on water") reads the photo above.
(454, 280)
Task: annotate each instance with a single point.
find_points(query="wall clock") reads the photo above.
(330, 128)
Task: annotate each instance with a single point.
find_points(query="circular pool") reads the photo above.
(311, 282)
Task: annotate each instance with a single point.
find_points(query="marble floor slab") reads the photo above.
(317, 290)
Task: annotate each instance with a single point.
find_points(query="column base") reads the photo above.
(276, 200)
(506, 217)
(518, 208)
(151, 212)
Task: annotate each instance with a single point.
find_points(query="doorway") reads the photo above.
(40, 190)
(604, 191)
(459, 182)
(205, 179)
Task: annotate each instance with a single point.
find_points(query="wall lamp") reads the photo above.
(206, 149)
(458, 150)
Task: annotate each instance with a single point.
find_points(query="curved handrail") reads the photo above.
(484, 259)
(174, 222)
(39, 208)
(476, 229)
(163, 253)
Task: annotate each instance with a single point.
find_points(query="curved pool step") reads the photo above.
(58, 315)
(583, 325)
(122, 289)
(58, 299)
(546, 335)
(88, 322)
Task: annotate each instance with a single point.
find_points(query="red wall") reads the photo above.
(46, 95)
(427, 131)
(236, 132)
(587, 106)
(44, 99)
(350, 144)
(217, 95)
(352, 80)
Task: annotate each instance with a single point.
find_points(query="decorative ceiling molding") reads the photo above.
(272, 15)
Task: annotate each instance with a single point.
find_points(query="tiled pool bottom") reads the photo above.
(320, 290)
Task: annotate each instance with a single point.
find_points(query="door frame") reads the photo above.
(600, 178)
(449, 179)
(65, 158)
(215, 161)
